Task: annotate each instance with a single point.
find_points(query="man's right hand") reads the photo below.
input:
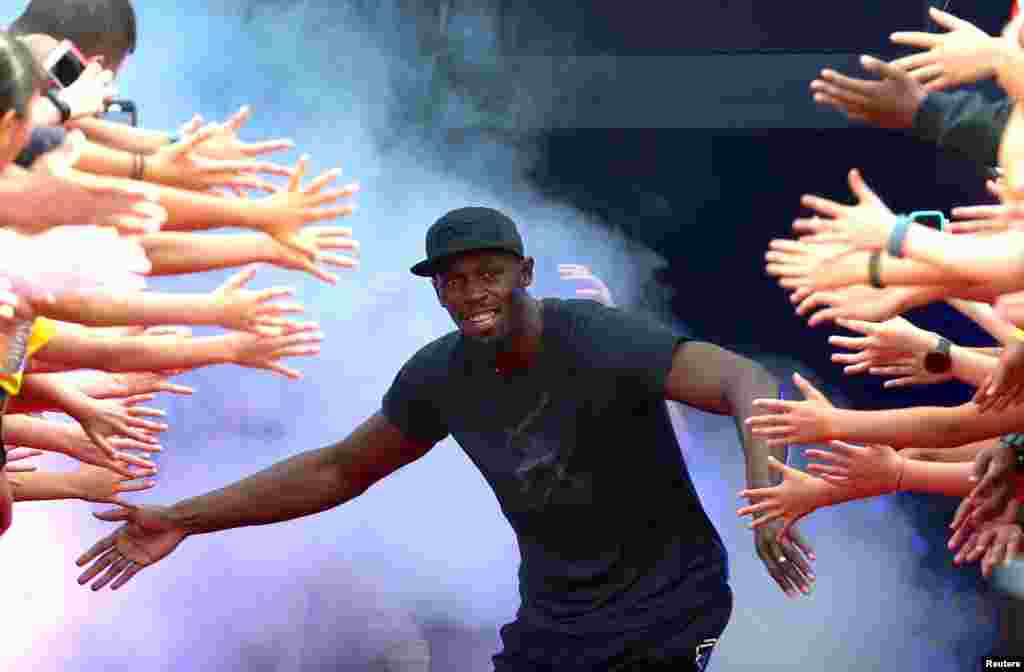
(891, 101)
(148, 536)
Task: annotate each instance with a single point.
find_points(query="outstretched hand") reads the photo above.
(252, 311)
(963, 55)
(264, 352)
(998, 540)
(781, 547)
(864, 226)
(148, 536)
(225, 145)
(1005, 386)
(182, 165)
(320, 239)
(994, 473)
(787, 422)
(890, 101)
(859, 302)
(283, 214)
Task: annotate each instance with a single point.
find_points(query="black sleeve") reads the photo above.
(411, 402)
(965, 123)
(637, 348)
(43, 140)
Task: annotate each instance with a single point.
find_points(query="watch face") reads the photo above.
(937, 362)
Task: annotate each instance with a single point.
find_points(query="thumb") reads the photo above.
(238, 118)
(809, 391)
(860, 187)
(947, 20)
(775, 465)
(116, 515)
(239, 279)
(881, 69)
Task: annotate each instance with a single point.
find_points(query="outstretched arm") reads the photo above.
(715, 380)
(302, 485)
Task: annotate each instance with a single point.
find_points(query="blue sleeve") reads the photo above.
(43, 140)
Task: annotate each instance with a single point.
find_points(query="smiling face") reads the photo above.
(485, 293)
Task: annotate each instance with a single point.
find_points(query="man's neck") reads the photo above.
(522, 347)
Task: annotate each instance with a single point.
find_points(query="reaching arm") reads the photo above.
(121, 136)
(718, 381)
(308, 483)
(715, 380)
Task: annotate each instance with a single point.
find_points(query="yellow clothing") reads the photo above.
(12, 370)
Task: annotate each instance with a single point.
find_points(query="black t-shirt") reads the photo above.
(581, 454)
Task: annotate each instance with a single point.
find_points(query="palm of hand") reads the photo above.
(147, 544)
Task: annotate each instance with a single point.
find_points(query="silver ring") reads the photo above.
(783, 558)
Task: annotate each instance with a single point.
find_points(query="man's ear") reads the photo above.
(435, 282)
(526, 273)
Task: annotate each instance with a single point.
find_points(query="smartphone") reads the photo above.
(122, 112)
(930, 218)
(65, 64)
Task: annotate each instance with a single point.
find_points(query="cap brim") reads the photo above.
(428, 268)
(425, 268)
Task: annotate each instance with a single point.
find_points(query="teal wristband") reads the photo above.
(933, 219)
(898, 236)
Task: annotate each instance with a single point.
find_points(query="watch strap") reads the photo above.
(62, 107)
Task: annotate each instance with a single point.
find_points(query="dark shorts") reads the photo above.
(683, 646)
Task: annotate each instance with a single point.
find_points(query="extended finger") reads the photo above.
(188, 143)
(104, 561)
(865, 87)
(128, 573)
(115, 569)
(322, 181)
(237, 182)
(848, 97)
(853, 342)
(324, 214)
(752, 509)
(916, 39)
(770, 558)
(97, 549)
(833, 457)
(823, 206)
(339, 260)
(993, 504)
(892, 370)
(931, 75)
(914, 61)
(135, 486)
(797, 570)
(281, 369)
(265, 147)
(775, 406)
(851, 112)
(300, 172)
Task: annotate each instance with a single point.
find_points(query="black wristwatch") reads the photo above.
(62, 107)
(939, 360)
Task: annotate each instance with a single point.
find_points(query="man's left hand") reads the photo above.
(785, 559)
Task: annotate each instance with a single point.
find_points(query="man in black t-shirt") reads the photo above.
(560, 404)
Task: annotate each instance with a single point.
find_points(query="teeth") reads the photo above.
(482, 317)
